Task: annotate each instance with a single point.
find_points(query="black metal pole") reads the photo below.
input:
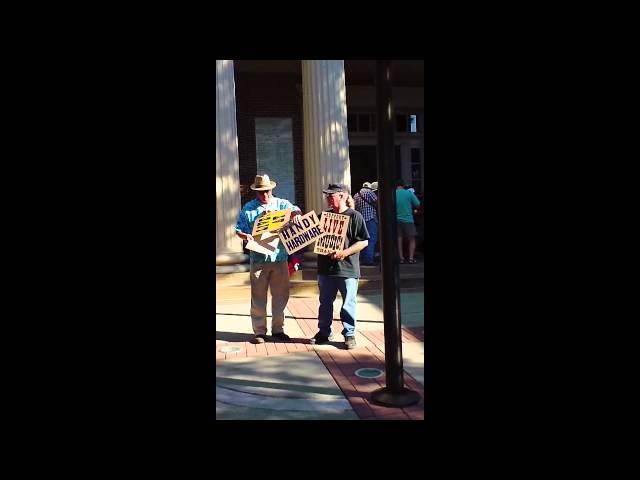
(394, 394)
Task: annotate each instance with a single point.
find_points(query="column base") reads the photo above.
(240, 268)
(232, 263)
(388, 398)
(231, 258)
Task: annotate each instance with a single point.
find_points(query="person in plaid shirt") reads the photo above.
(367, 204)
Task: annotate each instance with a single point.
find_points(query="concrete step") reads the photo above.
(309, 272)
(242, 278)
(310, 287)
(371, 273)
(232, 279)
(236, 285)
(404, 268)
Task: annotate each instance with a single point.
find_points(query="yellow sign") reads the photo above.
(334, 227)
(271, 222)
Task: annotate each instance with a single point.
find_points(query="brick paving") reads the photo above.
(340, 363)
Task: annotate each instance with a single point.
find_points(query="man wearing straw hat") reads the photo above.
(266, 270)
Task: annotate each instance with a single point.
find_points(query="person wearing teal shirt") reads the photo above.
(266, 270)
(405, 203)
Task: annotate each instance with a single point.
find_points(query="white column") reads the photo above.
(326, 140)
(228, 246)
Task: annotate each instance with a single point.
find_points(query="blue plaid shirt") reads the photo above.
(368, 212)
(247, 218)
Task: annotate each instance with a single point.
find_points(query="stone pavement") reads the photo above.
(300, 381)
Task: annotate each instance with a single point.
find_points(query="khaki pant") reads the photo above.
(263, 276)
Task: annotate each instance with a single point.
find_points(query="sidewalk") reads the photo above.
(298, 380)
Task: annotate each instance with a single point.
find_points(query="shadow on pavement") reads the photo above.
(247, 337)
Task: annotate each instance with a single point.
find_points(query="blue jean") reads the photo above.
(366, 255)
(329, 288)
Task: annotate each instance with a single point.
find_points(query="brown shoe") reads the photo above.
(350, 343)
(259, 339)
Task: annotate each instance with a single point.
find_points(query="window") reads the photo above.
(274, 152)
(361, 122)
(407, 123)
(413, 123)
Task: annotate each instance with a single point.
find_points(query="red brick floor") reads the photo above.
(342, 364)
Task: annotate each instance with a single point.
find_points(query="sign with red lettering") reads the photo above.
(334, 227)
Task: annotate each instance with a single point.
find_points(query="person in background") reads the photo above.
(405, 202)
(366, 202)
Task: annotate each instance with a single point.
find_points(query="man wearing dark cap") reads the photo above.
(339, 271)
(266, 270)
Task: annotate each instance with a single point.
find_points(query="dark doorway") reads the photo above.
(364, 166)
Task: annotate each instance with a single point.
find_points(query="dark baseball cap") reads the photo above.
(336, 188)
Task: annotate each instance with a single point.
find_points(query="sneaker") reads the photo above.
(280, 337)
(259, 339)
(350, 342)
(319, 339)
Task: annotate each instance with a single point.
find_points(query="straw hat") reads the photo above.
(262, 183)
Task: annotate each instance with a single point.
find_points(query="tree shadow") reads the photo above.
(337, 345)
(234, 336)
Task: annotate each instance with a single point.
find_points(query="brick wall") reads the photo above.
(268, 95)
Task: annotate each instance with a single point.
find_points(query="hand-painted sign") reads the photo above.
(270, 222)
(265, 243)
(296, 236)
(334, 227)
